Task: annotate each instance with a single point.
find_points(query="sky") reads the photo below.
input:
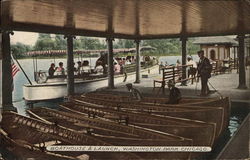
(28, 38)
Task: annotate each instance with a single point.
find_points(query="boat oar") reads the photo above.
(22, 69)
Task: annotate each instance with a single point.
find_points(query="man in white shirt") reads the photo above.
(85, 69)
(192, 70)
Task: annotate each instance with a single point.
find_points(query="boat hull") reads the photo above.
(55, 90)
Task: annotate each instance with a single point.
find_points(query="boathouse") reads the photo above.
(128, 19)
(217, 48)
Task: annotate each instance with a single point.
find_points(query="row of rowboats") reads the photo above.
(116, 120)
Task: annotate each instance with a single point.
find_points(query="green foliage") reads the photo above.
(44, 42)
(124, 43)
(60, 42)
(91, 43)
(18, 49)
(192, 48)
(171, 46)
(164, 46)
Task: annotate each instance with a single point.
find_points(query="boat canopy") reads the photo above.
(129, 19)
(79, 52)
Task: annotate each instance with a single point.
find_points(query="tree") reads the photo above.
(19, 49)
(124, 43)
(192, 48)
(60, 42)
(44, 42)
(92, 43)
(171, 46)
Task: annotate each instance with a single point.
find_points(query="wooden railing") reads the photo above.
(221, 66)
(173, 73)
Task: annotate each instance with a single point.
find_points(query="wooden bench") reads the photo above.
(171, 73)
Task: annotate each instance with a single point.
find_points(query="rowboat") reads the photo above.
(202, 133)
(123, 97)
(38, 131)
(153, 104)
(99, 126)
(206, 114)
(24, 150)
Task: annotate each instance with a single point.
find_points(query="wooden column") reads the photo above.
(7, 79)
(138, 64)
(241, 55)
(70, 66)
(110, 63)
(184, 59)
(234, 57)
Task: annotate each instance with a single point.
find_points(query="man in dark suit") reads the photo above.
(135, 94)
(174, 93)
(204, 71)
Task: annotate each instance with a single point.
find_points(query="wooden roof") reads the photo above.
(142, 19)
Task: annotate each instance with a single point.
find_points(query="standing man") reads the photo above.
(204, 71)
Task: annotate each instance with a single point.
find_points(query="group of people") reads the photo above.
(173, 98)
(53, 70)
(82, 68)
(204, 69)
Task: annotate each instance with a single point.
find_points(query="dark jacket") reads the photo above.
(135, 94)
(51, 71)
(174, 96)
(204, 68)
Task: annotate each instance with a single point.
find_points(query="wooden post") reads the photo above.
(237, 61)
(138, 64)
(174, 74)
(163, 80)
(234, 57)
(70, 66)
(241, 55)
(7, 79)
(110, 63)
(184, 59)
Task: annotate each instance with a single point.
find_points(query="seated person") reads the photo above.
(174, 94)
(135, 94)
(117, 68)
(128, 61)
(85, 69)
(52, 70)
(60, 70)
(78, 69)
(99, 68)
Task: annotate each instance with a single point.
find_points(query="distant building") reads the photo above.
(218, 48)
